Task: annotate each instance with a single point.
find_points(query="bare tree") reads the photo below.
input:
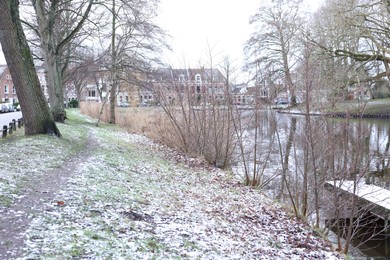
(195, 102)
(135, 43)
(19, 59)
(357, 32)
(55, 35)
(274, 42)
(80, 72)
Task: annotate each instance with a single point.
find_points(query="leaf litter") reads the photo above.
(128, 197)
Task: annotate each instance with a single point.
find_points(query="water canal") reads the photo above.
(292, 156)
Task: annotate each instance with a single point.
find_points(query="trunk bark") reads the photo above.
(52, 59)
(56, 91)
(113, 72)
(53, 42)
(36, 114)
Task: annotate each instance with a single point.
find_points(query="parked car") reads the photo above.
(124, 104)
(148, 103)
(282, 105)
(11, 108)
(4, 108)
(18, 107)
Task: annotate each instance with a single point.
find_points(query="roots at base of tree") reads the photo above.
(59, 116)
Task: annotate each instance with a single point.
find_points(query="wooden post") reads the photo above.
(387, 228)
(10, 128)
(19, 123)
(14, 124)
(5, 131)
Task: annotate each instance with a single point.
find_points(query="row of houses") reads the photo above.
(7, 89)
(165, 85)
(169, 86)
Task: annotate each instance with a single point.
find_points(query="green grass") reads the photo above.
(371, 107)
(27, 157)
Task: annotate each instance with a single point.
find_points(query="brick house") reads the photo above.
(7, 88)
(242, 95)
(91, 93)
(167, 85)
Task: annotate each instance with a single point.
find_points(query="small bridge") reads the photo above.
(376, 199)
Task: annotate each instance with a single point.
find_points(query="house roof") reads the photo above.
(169, 74)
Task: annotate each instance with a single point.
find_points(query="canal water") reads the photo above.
(292, 156)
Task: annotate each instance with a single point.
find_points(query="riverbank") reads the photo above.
(373, 108)
(100, 192)
(378, 107)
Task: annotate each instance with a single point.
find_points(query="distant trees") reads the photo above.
(352, 39)
(36, 114)
(275, 40)
(355, 37)
(134, 42)
(372, 24)
(81, 71)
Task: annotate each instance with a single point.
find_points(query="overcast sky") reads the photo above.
(194, 25)
(223, 25)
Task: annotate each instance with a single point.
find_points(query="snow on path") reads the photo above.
(31, 200)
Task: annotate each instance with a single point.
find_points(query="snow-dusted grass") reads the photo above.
(132, 199)
(26, 158)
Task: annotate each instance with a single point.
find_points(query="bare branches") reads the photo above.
(72, 34)
(361, 56)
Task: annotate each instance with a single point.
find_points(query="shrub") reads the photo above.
(73, 103)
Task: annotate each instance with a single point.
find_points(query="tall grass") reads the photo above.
(149, 121)
(202, 133)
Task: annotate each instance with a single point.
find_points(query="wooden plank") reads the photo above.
(377, 199)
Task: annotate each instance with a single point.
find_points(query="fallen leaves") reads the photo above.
(59, 203)
(133, 198)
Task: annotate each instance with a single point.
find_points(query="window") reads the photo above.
(198, 82)
(181, 78)
(92, 93)
(8, 77)
(6, 90)
(198, 78)
(13, 90)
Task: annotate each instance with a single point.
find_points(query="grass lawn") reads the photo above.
(370, 107)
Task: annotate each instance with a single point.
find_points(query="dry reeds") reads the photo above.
(206, 133)
(149, 121)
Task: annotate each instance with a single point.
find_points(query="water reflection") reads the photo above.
(293, 156)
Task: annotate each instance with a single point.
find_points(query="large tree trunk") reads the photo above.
(55, 89)
(52, 59)
(114, 86)
(287, 73)
(36, 114)
(53, 40)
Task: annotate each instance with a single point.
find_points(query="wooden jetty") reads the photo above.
(374, 198)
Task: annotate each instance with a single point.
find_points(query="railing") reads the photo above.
(12, 127)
